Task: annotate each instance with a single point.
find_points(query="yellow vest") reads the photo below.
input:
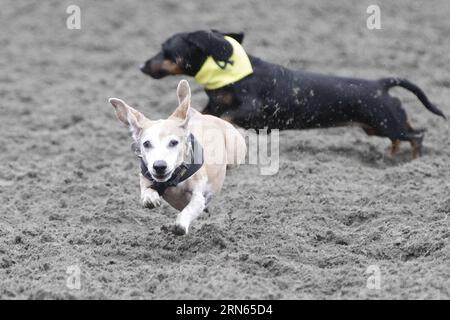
(213, 77)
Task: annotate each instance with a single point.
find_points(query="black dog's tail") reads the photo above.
(388, 83)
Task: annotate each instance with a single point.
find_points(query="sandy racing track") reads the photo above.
(69, 193)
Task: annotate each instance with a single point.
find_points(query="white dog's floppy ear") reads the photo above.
(184, 100)
(128, 115)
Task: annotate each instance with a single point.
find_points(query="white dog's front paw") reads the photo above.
(179, 229)
(150, 198)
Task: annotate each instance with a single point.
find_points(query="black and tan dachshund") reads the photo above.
(252, 93)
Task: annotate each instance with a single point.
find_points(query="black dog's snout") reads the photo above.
(153, 69)
(144, 67)
(160, 166)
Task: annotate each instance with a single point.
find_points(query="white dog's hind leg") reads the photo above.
(190, 213)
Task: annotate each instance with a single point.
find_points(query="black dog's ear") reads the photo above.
(212, 44)
(238, 36)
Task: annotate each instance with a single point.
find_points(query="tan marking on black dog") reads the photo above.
(395, 147)
(226, 99)
(416, 149)
(170, 67)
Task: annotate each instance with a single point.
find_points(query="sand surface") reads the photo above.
(69, 192)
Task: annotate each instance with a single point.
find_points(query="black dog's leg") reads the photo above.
(208, 109)
(415, 139)
(416, 145)
(392, 122)
(395, 146)
(370, 131)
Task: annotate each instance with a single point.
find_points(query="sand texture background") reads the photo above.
(69, 192)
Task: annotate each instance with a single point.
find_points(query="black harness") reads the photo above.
(182, 172)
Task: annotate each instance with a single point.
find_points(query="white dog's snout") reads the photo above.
(160, 166)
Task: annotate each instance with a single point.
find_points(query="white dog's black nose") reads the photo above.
(160, 166)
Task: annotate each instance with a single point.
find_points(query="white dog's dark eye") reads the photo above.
(147, 144)
(173, 143)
